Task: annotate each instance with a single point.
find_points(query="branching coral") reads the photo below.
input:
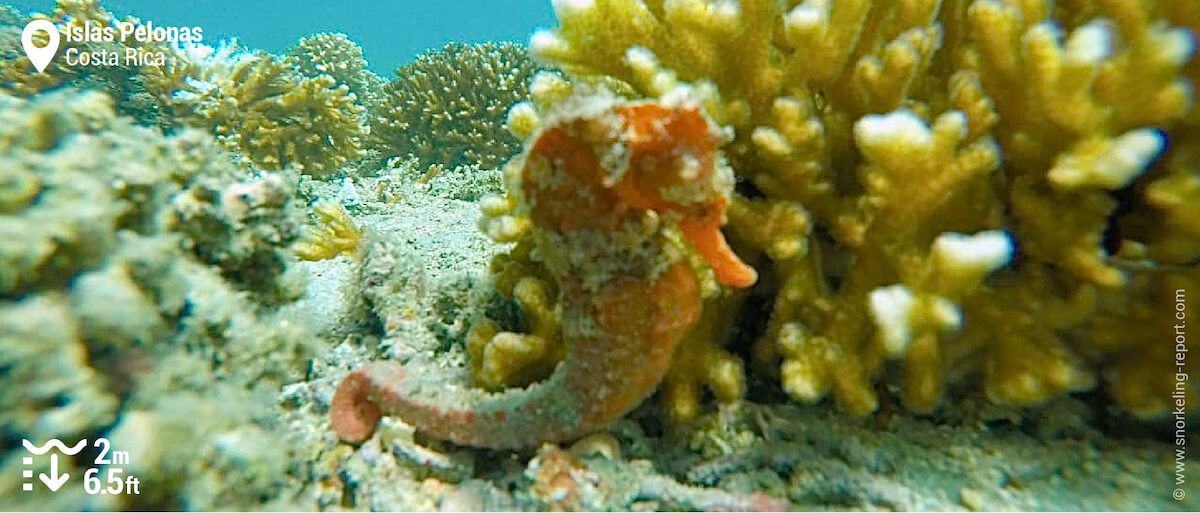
(1171, 224)
(892, 155)
(337, 234)
(337, 56)
(502, 359)
(261, 107)
(1082, 124)
(448, 106)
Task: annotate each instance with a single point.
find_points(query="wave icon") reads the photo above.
(53, 443)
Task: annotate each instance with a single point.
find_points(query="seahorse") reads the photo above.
(603, 185)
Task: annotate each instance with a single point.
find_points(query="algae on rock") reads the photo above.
(142, 273)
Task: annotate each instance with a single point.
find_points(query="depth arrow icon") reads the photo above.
(54, 481)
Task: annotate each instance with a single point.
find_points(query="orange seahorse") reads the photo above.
(626, 301)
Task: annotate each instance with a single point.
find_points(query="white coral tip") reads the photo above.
(980, 253)
(726, 12)
(545, 42)
(803, 18)
(1132, 153)
(1089, 44)
(945, 314)
(548, 87)
(952, 124)
(641, 60)
(1122, 160)
(891, 308)
(771, 141)
(902, 128)
(1177, 45)
(522, 120)
(807, 17)
(566, 8)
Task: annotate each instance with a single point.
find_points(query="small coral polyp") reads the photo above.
(611, 188)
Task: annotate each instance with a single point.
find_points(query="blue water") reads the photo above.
(390, 32)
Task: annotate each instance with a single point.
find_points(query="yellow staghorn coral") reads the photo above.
(891, 156)
(1078, 111)
(499, 358)
(1156, 301)
(1171, 224)
(260, 106)
(702, 362)
(336, 55)
(448, 106)
(502, 359)
(335, 235)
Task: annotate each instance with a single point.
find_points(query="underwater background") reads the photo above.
(584, 255)
(390, 33)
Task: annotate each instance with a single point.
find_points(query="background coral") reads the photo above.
(336, 55)
(261, 107)
(139, 91)
(448, 107)
(140, 281)
(275, 111)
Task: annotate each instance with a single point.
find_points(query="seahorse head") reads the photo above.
(625, 158)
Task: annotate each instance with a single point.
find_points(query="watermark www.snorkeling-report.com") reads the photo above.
(43, 51)
(1179, 396)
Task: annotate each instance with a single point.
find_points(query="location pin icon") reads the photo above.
(40, 57)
